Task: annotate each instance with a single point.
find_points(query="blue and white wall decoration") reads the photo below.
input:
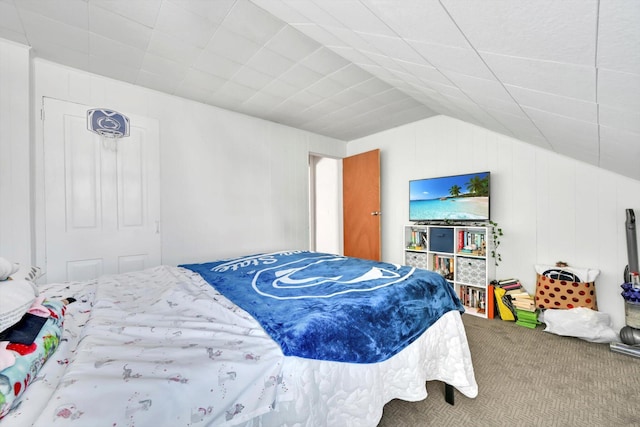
(107, 123)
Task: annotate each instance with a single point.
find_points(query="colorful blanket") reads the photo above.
(329, 307)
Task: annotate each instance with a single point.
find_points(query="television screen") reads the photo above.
(455, 198)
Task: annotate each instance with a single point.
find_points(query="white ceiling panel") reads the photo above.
(548, 30)
(326, 87)
(10, 22)
(43, 31)
(563, 132)
(179, 21)
(623, 120)
(618, 35)
(70, 12)
(319, 34)
(561, 105)
(620, 90)
(269, 62)
(573, 81)
(394, 47)
(419, 20)
(559, 74)
(217, 65)
(324, 61)
(462, 60)
(189, 90)
(356, 16)
(116, 52)
(142, 12)
(117, 27)
(300, 76)
(169, 47)
(232, 46)
(307, 11)
(252, 22)
(104, 65)
(203, 80)
(292, 44)
(160, 66)
(157, 82)
(252, 78)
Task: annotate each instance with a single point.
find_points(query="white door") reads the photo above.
(102, 197)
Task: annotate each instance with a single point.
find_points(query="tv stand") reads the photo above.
(461, 253)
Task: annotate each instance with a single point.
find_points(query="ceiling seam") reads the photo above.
(355, 64)
(495, 76)
(372, 76)
(404, 68)
(453, 84)
(203, 49)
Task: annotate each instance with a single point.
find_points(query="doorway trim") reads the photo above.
(325, 204)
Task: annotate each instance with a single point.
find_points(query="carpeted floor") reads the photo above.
(528, 377)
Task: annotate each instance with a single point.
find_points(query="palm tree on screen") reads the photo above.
(478, 186)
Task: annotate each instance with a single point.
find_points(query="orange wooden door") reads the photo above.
(361, 205)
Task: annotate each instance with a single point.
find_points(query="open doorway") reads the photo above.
(325, 204)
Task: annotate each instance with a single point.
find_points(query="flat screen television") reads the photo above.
(454, 198)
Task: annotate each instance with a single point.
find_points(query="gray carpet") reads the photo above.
(528, 377)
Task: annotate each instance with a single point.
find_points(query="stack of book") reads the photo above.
(526, 312)
(502, 290)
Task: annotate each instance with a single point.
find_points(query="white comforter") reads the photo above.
(162, 347)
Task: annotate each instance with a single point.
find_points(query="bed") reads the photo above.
(191, 346)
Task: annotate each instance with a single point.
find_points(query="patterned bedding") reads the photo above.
(163, 347)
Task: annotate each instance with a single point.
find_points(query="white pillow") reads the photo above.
(16, 297)
(7, 268)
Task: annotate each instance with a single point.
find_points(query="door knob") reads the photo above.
(375, 213)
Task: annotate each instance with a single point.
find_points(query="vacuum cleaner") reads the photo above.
(632, 246)
(630, 335)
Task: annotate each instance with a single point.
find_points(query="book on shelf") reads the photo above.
(473, 297)
(471, 242)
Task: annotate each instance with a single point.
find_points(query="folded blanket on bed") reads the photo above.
(329, 307)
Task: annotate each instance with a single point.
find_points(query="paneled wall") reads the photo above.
(550, 207)
(230, 184)
(15, 151)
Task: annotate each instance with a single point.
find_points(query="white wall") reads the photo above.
(15, 154)
(230, 184)
(550, 207)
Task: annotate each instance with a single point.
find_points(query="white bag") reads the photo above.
(580, 322)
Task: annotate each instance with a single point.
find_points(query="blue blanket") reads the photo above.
(329, 307)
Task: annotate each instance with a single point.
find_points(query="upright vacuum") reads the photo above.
(630, 334)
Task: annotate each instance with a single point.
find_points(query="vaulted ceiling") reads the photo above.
(560, 74)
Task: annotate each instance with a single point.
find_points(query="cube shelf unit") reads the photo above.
(460, 253)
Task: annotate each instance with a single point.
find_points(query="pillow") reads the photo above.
(16, 299)
(7, 268)
(15, 379)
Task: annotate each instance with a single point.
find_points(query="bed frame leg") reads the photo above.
(448, 394)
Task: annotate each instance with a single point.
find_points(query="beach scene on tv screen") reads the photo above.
(460, 197)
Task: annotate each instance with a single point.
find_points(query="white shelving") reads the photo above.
(460, 253)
